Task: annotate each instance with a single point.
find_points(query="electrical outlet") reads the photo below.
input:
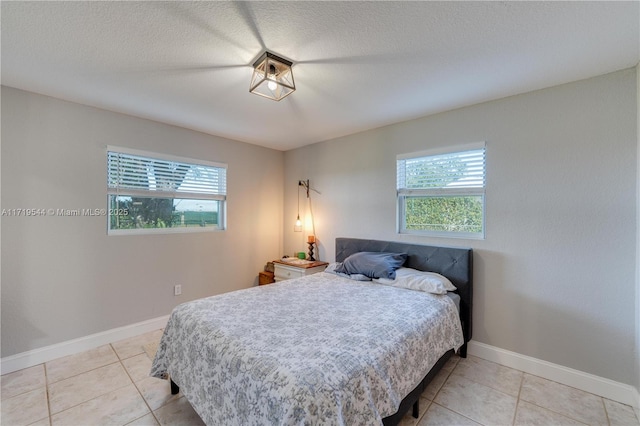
(177, 290)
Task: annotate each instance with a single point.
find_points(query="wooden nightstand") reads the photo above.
(265, 277)
(295, 268)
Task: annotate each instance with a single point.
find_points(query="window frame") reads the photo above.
(403, 194)
(221, 198)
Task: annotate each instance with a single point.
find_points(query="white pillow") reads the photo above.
(413, 279)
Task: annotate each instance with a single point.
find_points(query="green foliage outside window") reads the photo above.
(154, 213)
(446, 214)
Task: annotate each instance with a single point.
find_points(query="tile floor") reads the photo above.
(109, 385)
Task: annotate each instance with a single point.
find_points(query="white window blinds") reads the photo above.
(141, 174)
(445, 172)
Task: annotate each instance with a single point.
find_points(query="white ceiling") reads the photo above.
(357, 65)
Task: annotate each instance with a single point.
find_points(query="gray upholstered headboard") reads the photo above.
(454, 263)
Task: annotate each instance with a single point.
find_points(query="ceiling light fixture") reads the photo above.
(272, 77)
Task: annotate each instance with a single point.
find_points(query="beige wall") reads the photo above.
(555, 277)
(63, 277)
(637, 351)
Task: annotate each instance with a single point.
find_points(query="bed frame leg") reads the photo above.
(463, 350)
(174, 388)
(416, 409)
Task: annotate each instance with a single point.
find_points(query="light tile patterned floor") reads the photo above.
(110, 385)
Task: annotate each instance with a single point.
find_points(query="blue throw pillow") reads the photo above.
(372, 264)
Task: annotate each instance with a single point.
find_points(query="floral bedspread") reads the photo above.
(317, 350)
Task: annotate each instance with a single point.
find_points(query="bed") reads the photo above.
(321, 349)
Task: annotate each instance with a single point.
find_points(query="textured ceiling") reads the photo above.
(357, 65)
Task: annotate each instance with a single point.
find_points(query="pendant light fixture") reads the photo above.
(298, 226)
(272, 77)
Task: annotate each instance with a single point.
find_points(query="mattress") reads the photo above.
(314, 350)
(455, 298)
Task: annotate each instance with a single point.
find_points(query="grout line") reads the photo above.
(46, 390)
(552, 410)
(484, 384)
(151, 411)
(451, 373)
(490, 386)
(448, 408)
(37, 388)
(115, 352)
(26, 391)
(515, 413)
(420, 416)
(113, 390)
(95, 397)
(139, 392)
(606, 413)
(459, 414)
(90, 399)
(84, 372)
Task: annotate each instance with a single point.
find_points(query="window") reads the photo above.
(442, 193)
(155, 193)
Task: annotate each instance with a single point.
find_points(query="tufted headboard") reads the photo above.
(454, 263)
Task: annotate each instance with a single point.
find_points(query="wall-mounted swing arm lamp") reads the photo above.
(311, 237)
(298, 226)
(305, 184)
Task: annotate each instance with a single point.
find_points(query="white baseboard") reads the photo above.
(615, 391)
(48, 353)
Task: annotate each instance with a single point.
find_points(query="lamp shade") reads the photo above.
(272, 77)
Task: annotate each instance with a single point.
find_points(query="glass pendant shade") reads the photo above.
(272, 77)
